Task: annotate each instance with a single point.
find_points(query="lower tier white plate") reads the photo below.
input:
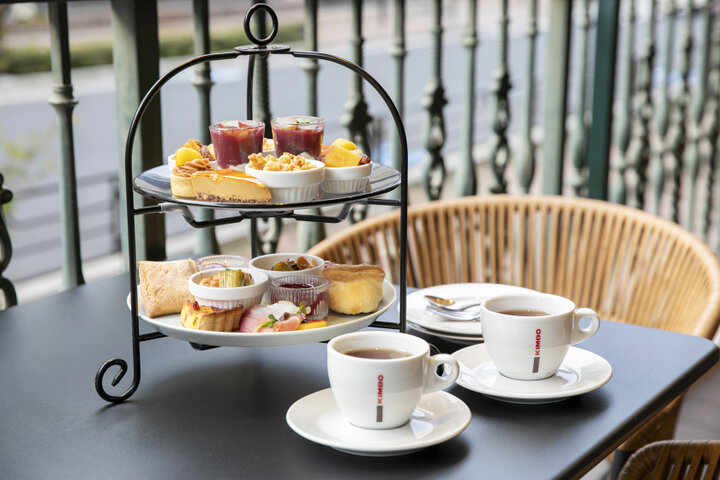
(581, 372)
(438, 417)
(337, 325)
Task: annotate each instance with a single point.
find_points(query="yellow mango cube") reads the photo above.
(346, 144)
(340, 157)
(311, 325)
(186, 154)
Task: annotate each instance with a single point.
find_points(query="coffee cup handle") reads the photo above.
(580, 334)
(435, 382)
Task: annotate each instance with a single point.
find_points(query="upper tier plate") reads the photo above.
(155, 183)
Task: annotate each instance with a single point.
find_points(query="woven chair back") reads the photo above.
(674, 459)
(626, 264)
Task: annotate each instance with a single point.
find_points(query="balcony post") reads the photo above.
(465, 177)
(433, 102)
(135, 59)
(525, 163)
(603, 93)
(398, 52)
(310, 233)
(265, 232)
(63, 102)
(6, 286)
(356, 118)
(556, 88)
(499, 148)
(206, 239)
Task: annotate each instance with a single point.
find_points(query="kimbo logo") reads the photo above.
(379, 412)
(536, 358)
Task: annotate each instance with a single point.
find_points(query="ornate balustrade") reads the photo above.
(614, 99)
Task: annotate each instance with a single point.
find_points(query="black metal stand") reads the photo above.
(261, 48)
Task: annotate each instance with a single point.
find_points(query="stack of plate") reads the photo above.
(420, 318)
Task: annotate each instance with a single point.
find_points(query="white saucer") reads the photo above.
(581, 372)
(439, 417)
(464, 339)
(461, 293)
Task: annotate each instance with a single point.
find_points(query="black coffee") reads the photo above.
(524, 312)
(377, 353)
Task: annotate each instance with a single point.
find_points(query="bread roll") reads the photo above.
(164, 285)
(354, 289)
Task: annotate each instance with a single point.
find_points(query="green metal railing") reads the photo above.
(632, 120)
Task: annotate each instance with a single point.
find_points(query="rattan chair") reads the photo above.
(674, 459)
(626, 264)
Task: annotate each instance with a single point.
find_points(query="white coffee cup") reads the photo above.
(531, 346)
(381, 393)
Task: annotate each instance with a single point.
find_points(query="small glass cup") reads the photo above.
(298, 135)
(222, 261)
(311, 289)
(234, 140)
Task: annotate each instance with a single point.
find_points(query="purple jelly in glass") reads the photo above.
(234, 140)
(298, 135)
(311, 289)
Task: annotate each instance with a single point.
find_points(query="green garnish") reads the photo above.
(231, 123)
(301, 307)
(302, 121)
(269, 323)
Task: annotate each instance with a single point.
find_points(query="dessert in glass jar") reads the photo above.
(234, 140)
(298, 135)
(308, 291)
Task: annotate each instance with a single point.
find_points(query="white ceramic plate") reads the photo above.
(462, 293)
(439, 417)
(337, 324)
(464, 339)
(581, 372)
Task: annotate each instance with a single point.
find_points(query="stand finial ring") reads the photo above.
(261, 42)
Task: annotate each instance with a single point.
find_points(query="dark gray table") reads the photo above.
(220, 413)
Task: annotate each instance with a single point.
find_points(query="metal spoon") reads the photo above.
(454, 314)
(447, 303)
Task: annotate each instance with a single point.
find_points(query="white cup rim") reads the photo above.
(390, 340)
(537, 301)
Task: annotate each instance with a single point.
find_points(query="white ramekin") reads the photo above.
(346, 179)
(226, 298)
(292, 187)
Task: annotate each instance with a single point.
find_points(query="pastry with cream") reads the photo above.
(231, 186)
(354, 289)
(180, 176)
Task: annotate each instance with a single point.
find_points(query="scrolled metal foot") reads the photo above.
(118, 376)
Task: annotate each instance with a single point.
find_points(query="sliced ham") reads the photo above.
(289, 323)
(256, 315)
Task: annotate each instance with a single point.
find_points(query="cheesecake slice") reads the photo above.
(232, 186)
(180, 176)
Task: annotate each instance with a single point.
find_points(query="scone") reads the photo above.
(164, 285)
(202, 317)
(354, 289)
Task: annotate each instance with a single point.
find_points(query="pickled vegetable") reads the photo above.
(228, 278)
(292, 265)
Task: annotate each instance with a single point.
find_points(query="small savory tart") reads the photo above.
(201, 317)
